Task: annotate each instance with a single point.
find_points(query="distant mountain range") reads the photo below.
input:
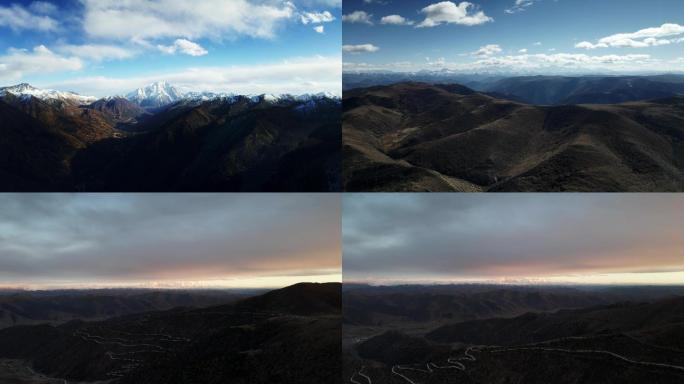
(160, 139)
(411, 304)
(155, 95)
(540, 90)
(449, 137)
(26, 91)
(29, 308)
(567, 90)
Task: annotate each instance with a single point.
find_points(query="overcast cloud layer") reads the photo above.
(516, 237)
(167, 239)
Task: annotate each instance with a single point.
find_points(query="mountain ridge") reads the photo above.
(421, 137)
(154, 95)
(233, 143)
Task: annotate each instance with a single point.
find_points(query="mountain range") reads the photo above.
(151, 96)
(568, 335)
(57, 307)
(273, 339)
(449, 137)
(160, 139)
(538, 89)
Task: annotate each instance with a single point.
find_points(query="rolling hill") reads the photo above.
(421, 137)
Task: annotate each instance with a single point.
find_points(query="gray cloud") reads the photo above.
(86, 238)
(423, 236)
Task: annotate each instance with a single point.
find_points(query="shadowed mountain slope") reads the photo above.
(241, 343)
(661, 322)
(622, 342)
(222, 144)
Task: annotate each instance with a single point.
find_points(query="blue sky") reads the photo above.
(515, 35)
(103, 47)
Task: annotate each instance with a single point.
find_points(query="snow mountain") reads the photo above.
(155, 95)
(26, 91)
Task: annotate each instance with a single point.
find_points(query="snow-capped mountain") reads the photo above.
(156, 94)
(162, 93)
(206, 96)
(159, 94)
(26, 91)
(315, 96)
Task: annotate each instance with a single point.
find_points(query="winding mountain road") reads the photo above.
(129, 362)
(455, 363)
(591, 351)
(360, 373)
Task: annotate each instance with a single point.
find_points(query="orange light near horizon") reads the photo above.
(226, 283)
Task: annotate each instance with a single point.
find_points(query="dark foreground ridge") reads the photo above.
(263, 339)
(422, 137)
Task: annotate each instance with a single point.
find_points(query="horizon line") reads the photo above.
(161, 288)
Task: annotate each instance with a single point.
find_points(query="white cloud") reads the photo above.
(648, 37)
(359, 48)
(183, 46)
(361, 67)
(585, 45)
(520, 5)
(19, 62)
(319, 29)
(488, 50)
(566, 61)
(43, 7)
(524, 50)
(556, 63)
(314, 3)
(97, 52)
(295, 76)
(18, 18)
(396, 20)
(316, 17)
(537, 43)
(439, 62)
(360, 17)
(151, 19)
(450, 13)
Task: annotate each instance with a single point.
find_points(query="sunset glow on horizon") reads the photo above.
(556, 239)
(160, 241)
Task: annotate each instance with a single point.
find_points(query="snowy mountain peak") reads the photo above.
(156, 94)
(25, 90)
